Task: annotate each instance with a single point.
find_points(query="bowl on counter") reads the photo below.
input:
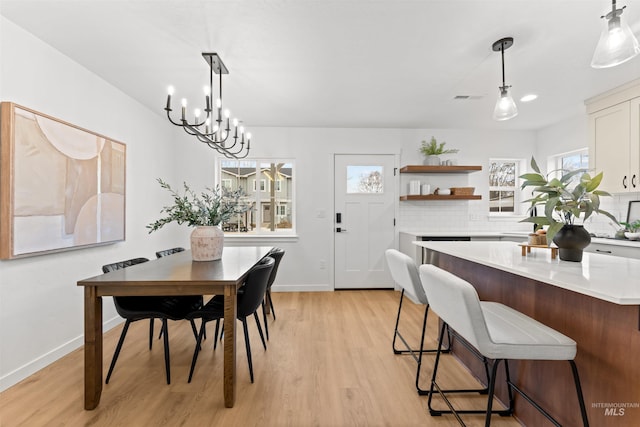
(632, 236)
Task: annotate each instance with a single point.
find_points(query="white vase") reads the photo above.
(207, 243)
(432, 161)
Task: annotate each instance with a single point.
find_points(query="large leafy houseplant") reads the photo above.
(563, 201)
(212, 207)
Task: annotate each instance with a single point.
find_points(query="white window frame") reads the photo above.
(258, 197)
(518, 209)
(554, 162)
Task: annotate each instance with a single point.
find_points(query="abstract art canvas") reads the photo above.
(61, 187)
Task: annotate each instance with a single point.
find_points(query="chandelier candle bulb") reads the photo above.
(169, 93)
(211, 129)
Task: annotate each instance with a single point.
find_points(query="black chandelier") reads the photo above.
(215, 129)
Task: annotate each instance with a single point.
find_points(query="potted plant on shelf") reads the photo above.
(432, 151)
(205, 212)
(631, 229)
(563, 206)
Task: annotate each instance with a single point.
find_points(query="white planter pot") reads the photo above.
(432, 161)
(207, 243)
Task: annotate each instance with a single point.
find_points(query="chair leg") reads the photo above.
(395, 331)
(273, 311)
(255, 316)
(436, 363)
(197, 350)
(576, 379)
(266, 323)
(118, 348)
(167, 366)
(194, 329)
(421, 392)
(215, 338)
(492, 387)
(248, 347)
(151, 322)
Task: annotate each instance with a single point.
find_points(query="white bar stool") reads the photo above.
(405, 273)
(495, 332)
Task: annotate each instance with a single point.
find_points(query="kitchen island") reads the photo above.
(595, 302)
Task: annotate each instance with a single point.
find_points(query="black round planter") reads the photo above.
(571, 240)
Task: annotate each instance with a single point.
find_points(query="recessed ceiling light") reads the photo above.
(528, 98)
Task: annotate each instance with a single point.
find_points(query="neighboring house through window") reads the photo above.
(271, 208)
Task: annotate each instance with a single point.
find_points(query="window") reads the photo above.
(560, 164)
(263, 185)
(226, 184)
(269, 208)
(503, 186)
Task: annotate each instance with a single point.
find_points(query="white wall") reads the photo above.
(313, 151)
(41, 308)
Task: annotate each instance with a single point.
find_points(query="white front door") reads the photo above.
(364, 223)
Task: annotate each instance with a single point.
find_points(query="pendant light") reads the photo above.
(505, 106)
(617, 43)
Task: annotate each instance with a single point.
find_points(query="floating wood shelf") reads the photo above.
(442, 197)
(439, 169)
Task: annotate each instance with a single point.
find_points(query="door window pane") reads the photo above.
(365, 179)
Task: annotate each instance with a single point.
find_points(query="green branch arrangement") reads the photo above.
(563, 205)
(432, 148)
(212, 207)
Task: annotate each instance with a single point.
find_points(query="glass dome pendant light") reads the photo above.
(505, 106)
(617, 43)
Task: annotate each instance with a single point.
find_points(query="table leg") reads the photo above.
(92, 348)
(230, 314)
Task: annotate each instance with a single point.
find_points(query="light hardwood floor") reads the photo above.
(329, 363)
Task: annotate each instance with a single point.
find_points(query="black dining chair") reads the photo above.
(191, 299)
(133, 308)
(248, 302)
(276, 254)
(171, 251)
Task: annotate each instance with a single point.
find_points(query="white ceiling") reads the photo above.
(348, 63)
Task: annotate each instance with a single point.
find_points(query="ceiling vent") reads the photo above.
(463, 97)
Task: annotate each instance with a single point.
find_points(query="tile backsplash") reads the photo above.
(617, 205)
(462, 215)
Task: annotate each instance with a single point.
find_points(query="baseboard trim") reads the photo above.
(28, 369)
(302, 288)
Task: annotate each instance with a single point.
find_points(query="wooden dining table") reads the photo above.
(171, 275)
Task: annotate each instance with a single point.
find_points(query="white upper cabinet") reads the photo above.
(614, 138)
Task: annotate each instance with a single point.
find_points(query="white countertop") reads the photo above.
(524, 234)
(613, 279)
